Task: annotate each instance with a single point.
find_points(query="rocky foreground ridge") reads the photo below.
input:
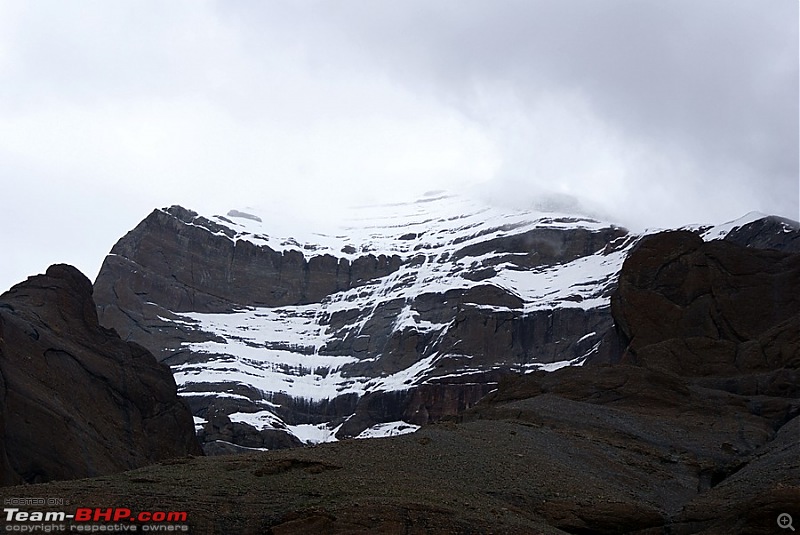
(411, 313)
(76, 400)
(693, 426)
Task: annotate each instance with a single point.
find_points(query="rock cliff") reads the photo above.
(76, 400)
(276, 333)
(699, 309)
(408, 314)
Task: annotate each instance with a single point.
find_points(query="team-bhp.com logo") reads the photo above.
(94, 520)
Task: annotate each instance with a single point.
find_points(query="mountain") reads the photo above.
(75, 400)
(693, 428)
(406, 314)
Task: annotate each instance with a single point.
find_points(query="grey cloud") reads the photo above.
(711, 82)
(707, 68)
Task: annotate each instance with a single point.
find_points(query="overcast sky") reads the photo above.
(650, 113)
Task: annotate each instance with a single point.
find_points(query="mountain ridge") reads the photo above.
(332, 337)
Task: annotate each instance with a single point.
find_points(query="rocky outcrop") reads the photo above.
(700, 309)
(624, 448)
(76, 400)
(420, 405)
(221, 436)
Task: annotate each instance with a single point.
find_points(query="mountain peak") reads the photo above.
(277, 331)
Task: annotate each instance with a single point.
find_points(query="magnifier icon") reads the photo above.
(785, 521)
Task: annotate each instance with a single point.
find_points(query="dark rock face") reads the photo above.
(419, 405)
(699, 309)
(77, 401)
(190, 264)
(221, 436)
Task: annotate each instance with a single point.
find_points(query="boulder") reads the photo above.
(77, 400)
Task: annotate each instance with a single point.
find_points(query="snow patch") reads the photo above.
(720, 231)
(389, 429)
(314, 433)
(199, 423)
(586, 337)
(260, 420)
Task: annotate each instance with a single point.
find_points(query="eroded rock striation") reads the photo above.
(76, 400)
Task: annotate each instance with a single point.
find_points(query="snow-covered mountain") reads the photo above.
(405, 314)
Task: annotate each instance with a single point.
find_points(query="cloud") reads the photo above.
(689, 107)
(645, 112)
